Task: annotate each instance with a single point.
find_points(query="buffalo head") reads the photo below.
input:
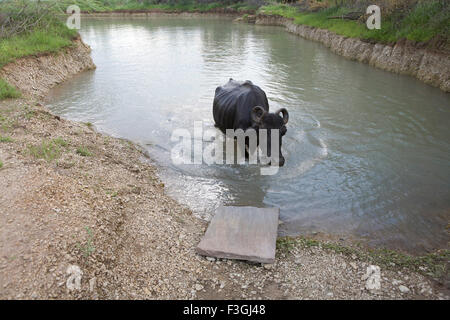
(262, 119)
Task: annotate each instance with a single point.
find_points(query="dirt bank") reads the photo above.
(427, 65)
(72, 199)
(35, 76)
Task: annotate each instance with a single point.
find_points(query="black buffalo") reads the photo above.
(242, 105)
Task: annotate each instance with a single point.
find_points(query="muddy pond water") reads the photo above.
(367, 151)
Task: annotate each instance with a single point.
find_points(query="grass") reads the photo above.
(84, 152)
(425, 21)
(5, 139)
(86, 5)
(112, 193)
(7, 124)
(1, 164)
(29, 113)
(49, 36)
(6, 90)
(286, 244)
(60, 142)
(188, 6)
(88, 248)
(432, 264)
(38, 41)
(47, 150)
(133, 5)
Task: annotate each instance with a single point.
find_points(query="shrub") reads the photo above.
(47, 150)
(84, 152)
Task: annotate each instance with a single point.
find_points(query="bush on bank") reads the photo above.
(29, 28)
(416, 20)
(165, 5)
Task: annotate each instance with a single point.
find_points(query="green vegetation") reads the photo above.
(38, 41)
(6, 90)
(29, 28)
(286, 244)
(112, 193)
(5, 139)
(420, 21)
(427, 19)
(47, 150)
(29, 113)
(163, 5)
(84, 152)
(432, 264)
(88, 248)
(60, 142)
(1, 164)
(7, 124)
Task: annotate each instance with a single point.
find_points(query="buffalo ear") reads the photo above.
(257, 114)
(285, 114)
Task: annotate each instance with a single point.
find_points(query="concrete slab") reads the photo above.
(244, 233)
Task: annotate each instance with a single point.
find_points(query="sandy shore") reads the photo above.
(73, 199)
